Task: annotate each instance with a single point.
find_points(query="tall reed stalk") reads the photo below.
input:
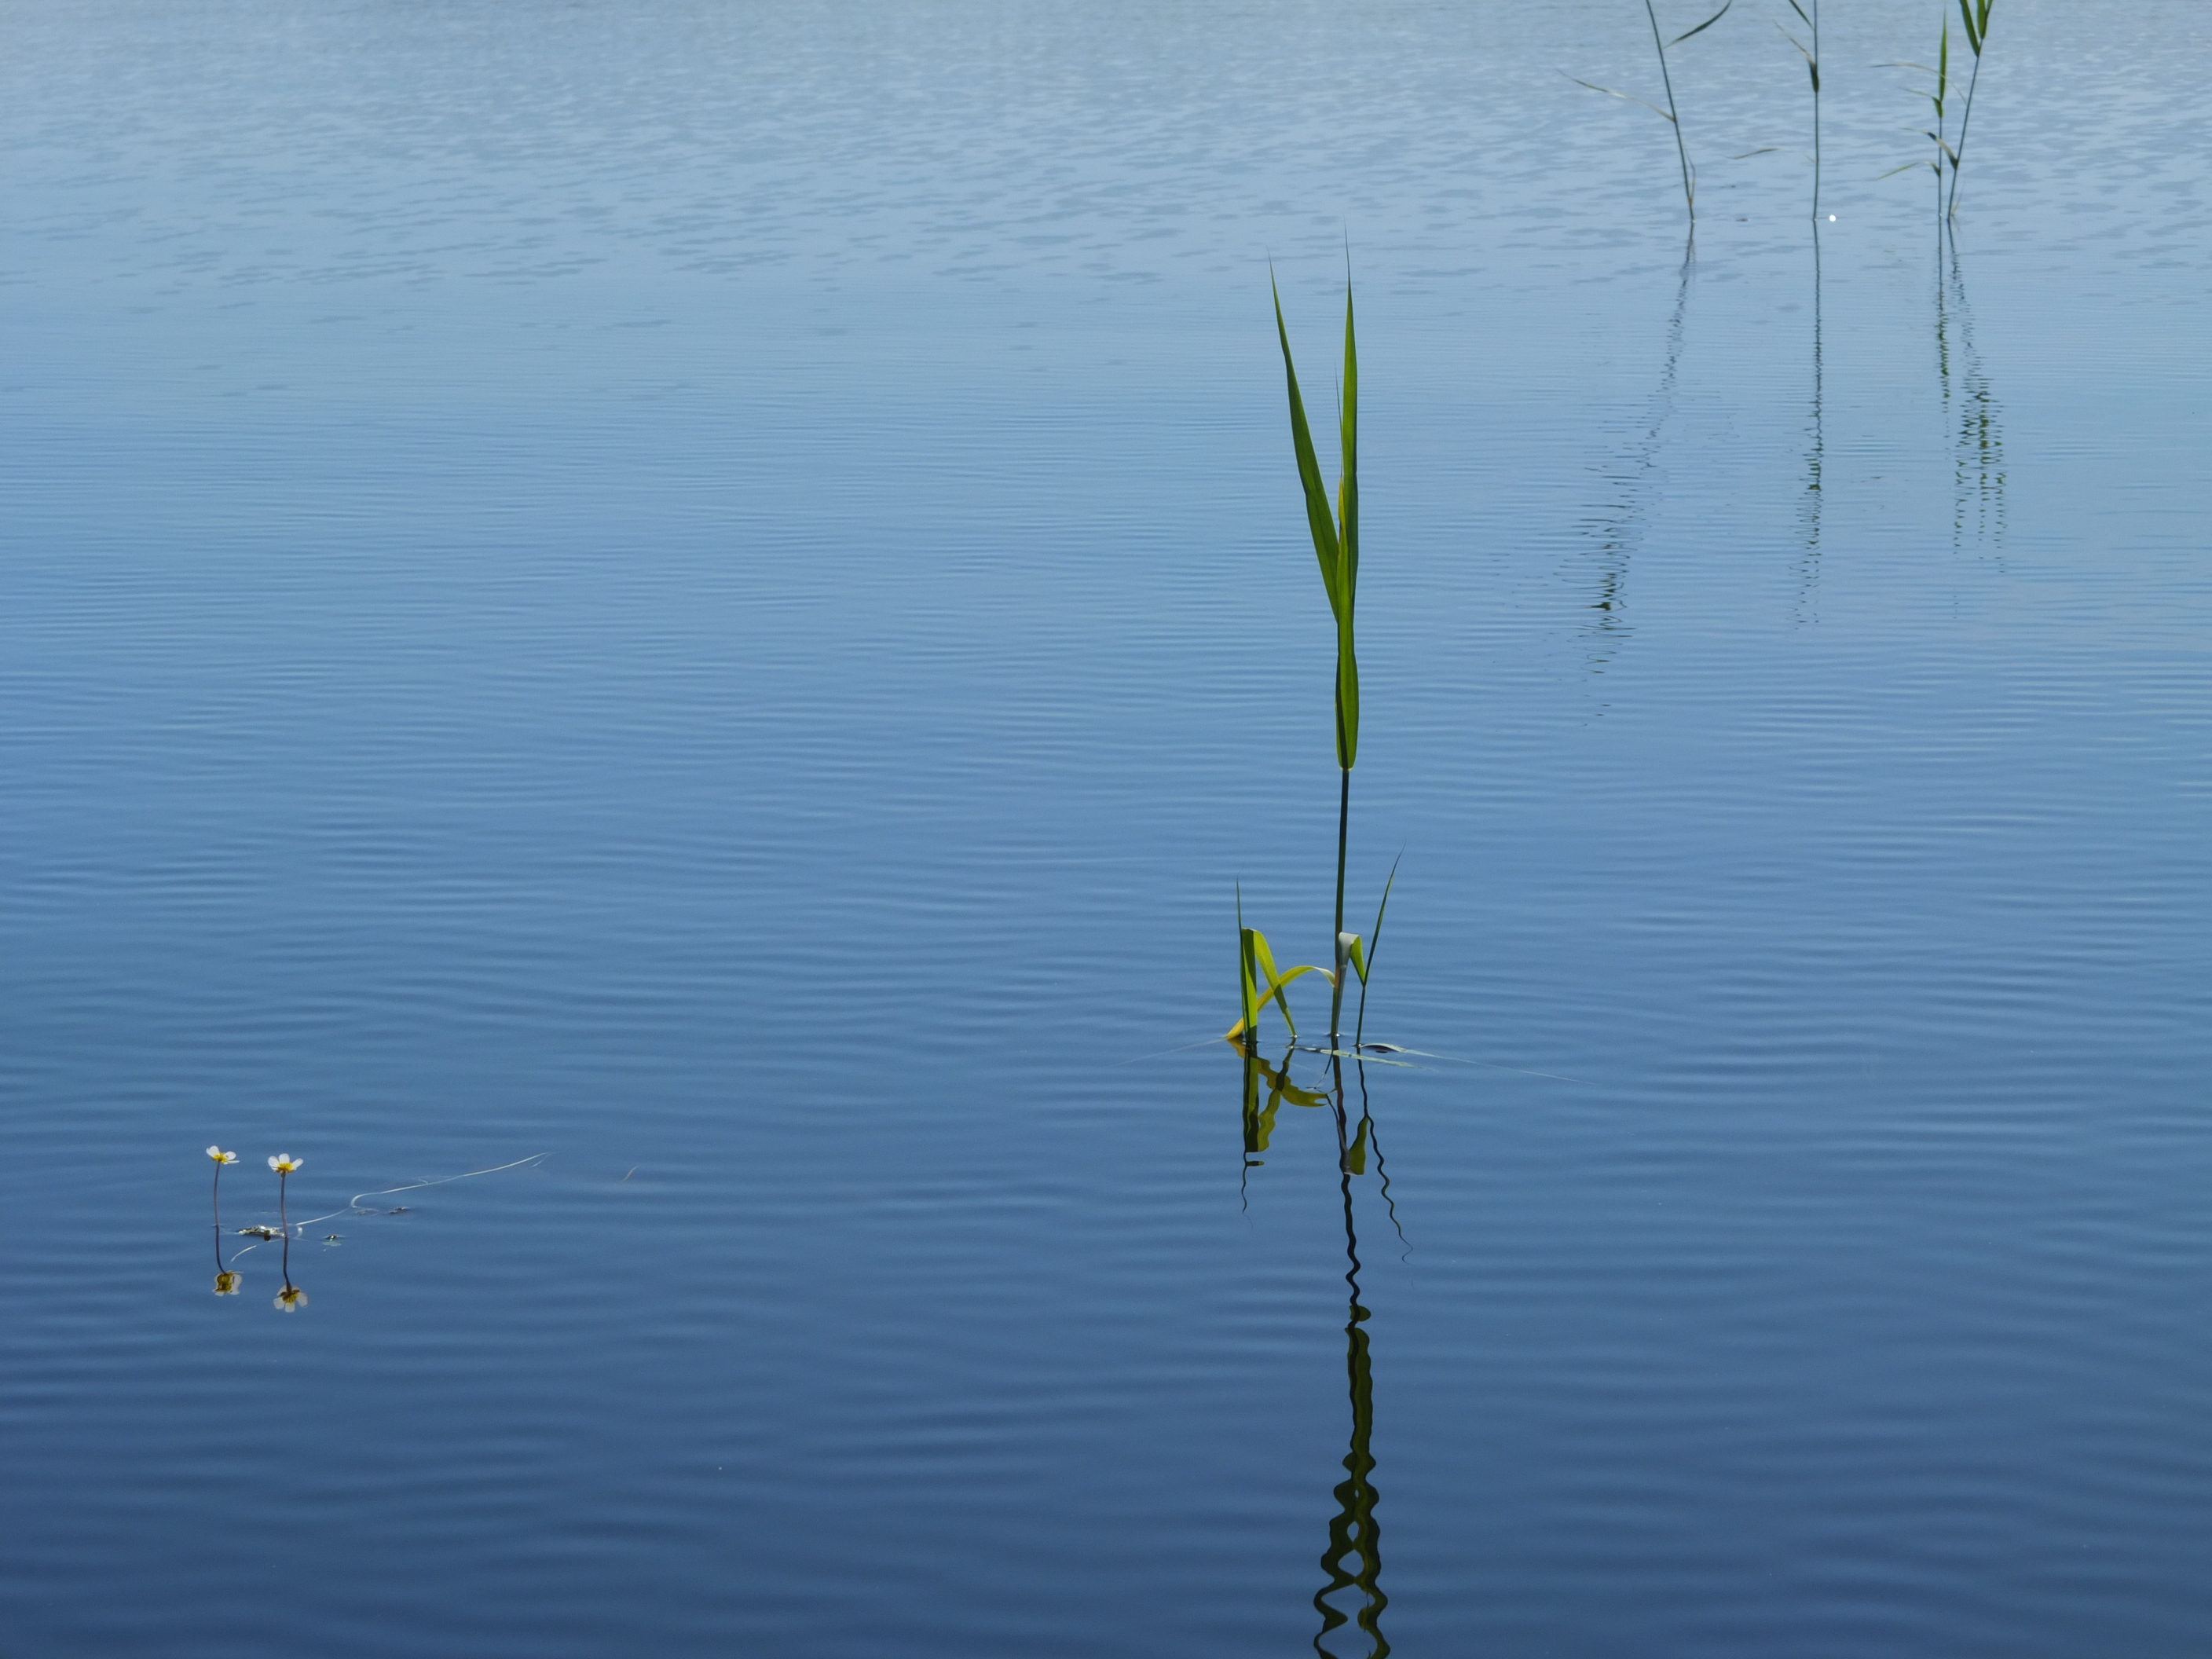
(1943, 143)
(1336, 544)
(1671, 115)
(1812, 57)
(1940, 134)
(1976, 14)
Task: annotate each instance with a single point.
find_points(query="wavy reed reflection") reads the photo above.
(1353, 1559)
(1816, 450)
(1970, 414)
(1617, 525)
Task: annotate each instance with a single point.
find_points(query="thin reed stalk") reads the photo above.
(1335, 535)
(1976, 14)
(1812, 57)
(1674, 116)
(1671, 115)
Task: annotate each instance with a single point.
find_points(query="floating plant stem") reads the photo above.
(226, 1282)
(219, 1159)
(284, 1164)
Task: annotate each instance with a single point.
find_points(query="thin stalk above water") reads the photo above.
(1671, 115)
(1335, 535)
(1674, 116)
(1812, 57)
(1976, 14)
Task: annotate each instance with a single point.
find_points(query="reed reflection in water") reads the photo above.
(1816, 450)
(1353, 1559)
(1617, 525)
(1970, 414)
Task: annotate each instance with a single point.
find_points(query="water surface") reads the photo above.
(715, 591)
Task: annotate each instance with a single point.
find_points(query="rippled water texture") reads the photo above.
(715, 591)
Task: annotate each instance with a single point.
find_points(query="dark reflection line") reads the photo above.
(1816, 454)
(1353, 1533)
(1374, 1134)
(1971, 413)
(1619, 525)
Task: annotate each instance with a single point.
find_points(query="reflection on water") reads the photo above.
(1353, 1559)
(576, 585)
(1816, 450)
(1970, 414)
(1617, 525)
(292, 1298)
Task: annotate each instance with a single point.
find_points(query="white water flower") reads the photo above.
(221, 1155)
(284, 1162)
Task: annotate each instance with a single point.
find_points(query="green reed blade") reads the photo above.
(1348, 510)
(1978, 34)
(1623, 96)
(1320, 522)
(1275, 981)
(1715, 18)
(1374, 944)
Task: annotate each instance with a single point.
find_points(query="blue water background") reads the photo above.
(716, 591)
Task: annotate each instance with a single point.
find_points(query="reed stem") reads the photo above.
(1966, 119)
(1343, 837)
(1816, 110)
(1673, 115)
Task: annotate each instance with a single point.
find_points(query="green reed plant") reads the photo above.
(1336, 536)
(1365, 960)
(1258, 981)
(1671, 115)
(1812, 56)
(1976, 14)
(1939, 134)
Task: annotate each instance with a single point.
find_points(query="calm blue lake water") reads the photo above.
(715, 592)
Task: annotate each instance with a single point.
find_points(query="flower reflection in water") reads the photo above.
(292, 1299)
